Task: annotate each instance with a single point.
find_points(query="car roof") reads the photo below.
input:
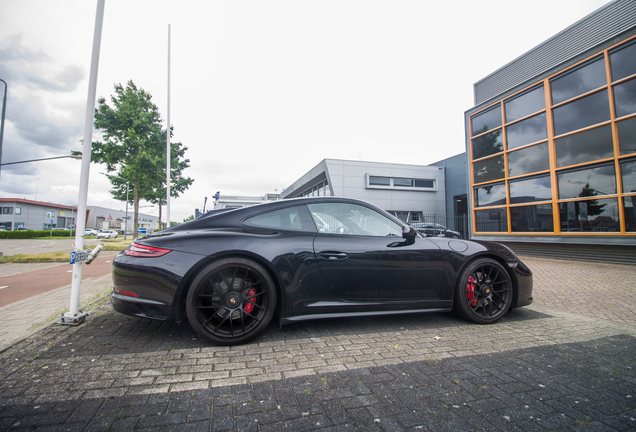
(234, 217)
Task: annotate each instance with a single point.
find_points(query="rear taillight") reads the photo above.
(138, 250)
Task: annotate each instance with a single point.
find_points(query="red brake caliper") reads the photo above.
(249, 307)
(470, 287)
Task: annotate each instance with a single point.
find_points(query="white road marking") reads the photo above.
(69, 271)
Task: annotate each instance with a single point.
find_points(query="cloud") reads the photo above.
(22, 65)
(44, 113)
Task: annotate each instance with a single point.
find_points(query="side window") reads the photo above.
(290, 218)
(352, 219)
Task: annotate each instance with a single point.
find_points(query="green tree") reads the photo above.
(593, 207)
(178, 183)
(133, 145)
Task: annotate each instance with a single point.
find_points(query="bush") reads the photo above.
(33, 234)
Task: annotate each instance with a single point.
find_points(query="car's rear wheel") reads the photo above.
(231, 301)
(484, 291)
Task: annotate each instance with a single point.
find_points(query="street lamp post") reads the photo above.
(43, 159)
(4, 107)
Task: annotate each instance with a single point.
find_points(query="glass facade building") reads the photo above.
(557, 157)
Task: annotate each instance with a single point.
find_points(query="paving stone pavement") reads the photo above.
(556, 365)
(27, 316)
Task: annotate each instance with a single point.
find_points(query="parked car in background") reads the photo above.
(90, 232)
(23, 229)
(107, 234)
(435, 230)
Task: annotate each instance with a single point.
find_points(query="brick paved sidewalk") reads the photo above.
(594, 290)
(28, 316)
(531, 371)
(541, 368)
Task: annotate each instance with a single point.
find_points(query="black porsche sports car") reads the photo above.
(229, 273)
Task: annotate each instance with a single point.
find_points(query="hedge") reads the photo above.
(33, 234)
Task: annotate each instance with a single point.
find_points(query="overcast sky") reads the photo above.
(261, 91)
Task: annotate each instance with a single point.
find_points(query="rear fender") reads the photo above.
(178, 306)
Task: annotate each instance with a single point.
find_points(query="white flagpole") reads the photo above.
(73, 316)
(168, 142)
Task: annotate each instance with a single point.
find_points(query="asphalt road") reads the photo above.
(20, 286)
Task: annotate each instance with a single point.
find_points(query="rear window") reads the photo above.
(290, 218)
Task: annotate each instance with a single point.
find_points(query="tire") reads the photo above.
(455, 236)
(484, 292)
(231, 301)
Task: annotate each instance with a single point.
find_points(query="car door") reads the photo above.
(363, 257)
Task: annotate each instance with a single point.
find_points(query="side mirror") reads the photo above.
(409, 234)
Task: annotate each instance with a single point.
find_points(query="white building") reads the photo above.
(407, 191)
(106, 218)
(36, 215)
(231, 202)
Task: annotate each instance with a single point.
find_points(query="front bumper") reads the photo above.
(524, 284)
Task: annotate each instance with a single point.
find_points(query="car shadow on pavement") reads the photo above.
(107, 332)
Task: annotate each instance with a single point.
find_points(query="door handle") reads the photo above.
(333, 255)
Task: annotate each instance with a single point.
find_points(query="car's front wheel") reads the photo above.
(231, 301)
(483, 293)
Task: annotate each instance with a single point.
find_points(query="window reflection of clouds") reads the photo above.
(628, 172)
(528, 131)
(486, 121)
(526, 104)
(601, 180)
(625, 98)
(490, 195)
(579, 81)
(581, 113)
(623, 62)
(585, 146)
(529, 160)
(530, 190)
(627, 136)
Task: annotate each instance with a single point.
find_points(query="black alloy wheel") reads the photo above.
(484, 291)
(231, 301)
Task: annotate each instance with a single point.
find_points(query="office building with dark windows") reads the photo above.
(551, 142)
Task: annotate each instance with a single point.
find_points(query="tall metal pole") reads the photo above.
(73, 314)
(4, 108)
(168, 143)
(126, 224)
